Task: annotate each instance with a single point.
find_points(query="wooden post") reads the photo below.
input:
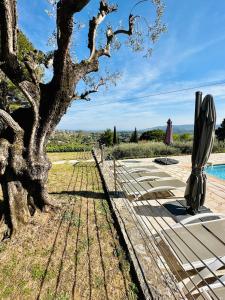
(114, 169)
(102, 155)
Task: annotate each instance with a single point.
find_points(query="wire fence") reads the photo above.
(199, 275)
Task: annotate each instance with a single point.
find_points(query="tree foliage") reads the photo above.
(106, 138)
(153, 135)
(11, 97)
(134, 136)
(220, 131)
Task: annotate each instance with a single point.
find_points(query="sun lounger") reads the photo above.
(139, 189)
(197, 244)
(211, 290)
(212, 294)
(123, 169)
(142, 176)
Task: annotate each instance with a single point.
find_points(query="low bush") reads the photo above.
(183, 147)
(155, 149)
(142, 150)
(68, 148)
(219, 147)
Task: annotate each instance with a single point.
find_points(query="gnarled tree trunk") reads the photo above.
(24, 165)
(23, 181)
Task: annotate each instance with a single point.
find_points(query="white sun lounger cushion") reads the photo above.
(142, 176)
(198, 244)
(145, 187)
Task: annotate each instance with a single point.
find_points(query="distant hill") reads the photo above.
(188, 128)
(178, 128)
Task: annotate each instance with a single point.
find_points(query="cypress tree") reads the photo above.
(134, 136)
(115, 140)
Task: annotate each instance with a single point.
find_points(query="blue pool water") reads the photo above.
(217, 171)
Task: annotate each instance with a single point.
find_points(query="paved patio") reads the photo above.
(215, 199)
(141, 221)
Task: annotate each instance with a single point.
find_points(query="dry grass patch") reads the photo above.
(71, 254)
(70, 156)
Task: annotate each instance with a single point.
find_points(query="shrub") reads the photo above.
(153, 135)
(219, 146)
(186, 137)
(107, 138)
(176, 136)
(134, 150)
(68, 148)
(183, 147)
(154, 149)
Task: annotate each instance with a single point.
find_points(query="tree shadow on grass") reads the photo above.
(54, 246)
(84, 194)
(64, 253)
(50, 257)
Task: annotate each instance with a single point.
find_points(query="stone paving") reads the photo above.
(215, 198)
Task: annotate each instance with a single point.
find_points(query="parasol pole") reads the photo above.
(198, 103)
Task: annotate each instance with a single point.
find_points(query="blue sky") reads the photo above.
(192, 52)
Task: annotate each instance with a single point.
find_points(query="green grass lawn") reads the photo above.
(70, 156)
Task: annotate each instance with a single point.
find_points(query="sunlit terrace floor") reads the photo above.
(215, 199)
(142, 220)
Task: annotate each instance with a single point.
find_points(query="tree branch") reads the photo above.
(6, 118)
(8, 29)
(8, 41)
(57, 95)
(84, 96)
(31, 93)
(17, 146)
(110, 35)
(104, 10)
(65, 11)
(72, 6)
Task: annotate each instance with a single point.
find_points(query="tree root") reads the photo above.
(4, 231)
(50, 207)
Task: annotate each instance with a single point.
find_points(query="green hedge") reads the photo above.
(154, 149)
(68, 148)
(141, 150)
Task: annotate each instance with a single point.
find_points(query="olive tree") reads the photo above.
(24, 164)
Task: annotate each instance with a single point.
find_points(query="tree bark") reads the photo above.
(24, 185)
(16, 205)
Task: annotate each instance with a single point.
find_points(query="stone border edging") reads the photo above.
(136, 268)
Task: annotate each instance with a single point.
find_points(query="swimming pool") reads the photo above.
(216, 170)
